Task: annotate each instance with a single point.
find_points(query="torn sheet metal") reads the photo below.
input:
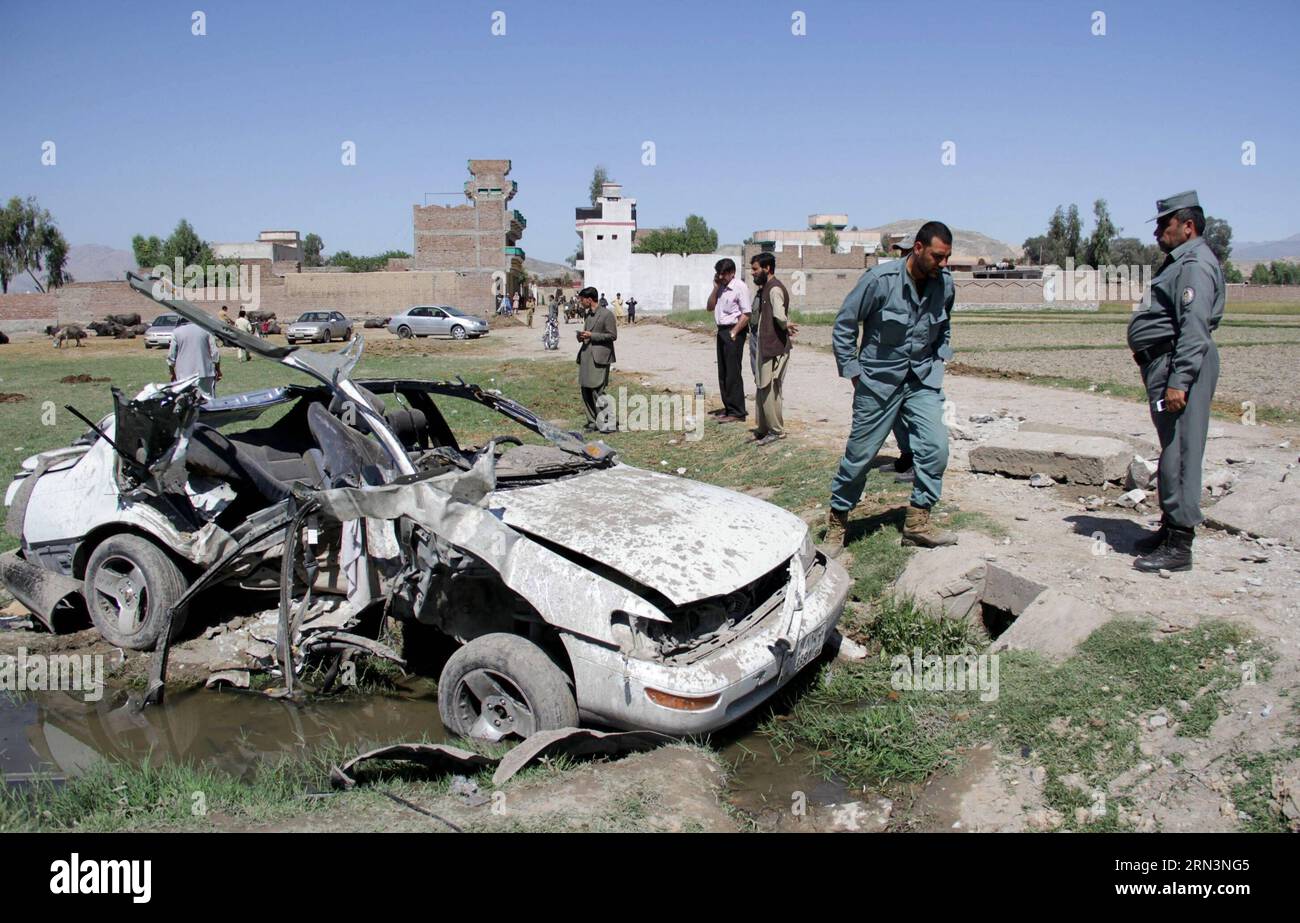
(40, 590)
(575, 742)
(440, 758)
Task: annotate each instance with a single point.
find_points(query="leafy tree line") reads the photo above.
(1104, 246)
(31, 243)
(1278, 272)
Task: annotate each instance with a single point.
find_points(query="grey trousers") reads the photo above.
(1182, 438)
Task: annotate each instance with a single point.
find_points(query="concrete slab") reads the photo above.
(1062, 456)
(1260, 508)
(1053, 625)
(1144, 447)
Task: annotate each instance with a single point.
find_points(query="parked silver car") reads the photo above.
(437, 320)
(319, 327)
(160, 331)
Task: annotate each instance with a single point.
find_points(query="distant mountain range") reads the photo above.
(1288, 249)
(86, 263)
(964, 242)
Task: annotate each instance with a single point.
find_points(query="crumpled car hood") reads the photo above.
(683, 538)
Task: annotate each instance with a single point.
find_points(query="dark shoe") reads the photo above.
(1153, 541)
(919, 531)
(903, 463)
(720, 412)
(589, 427)
(727, 418)
(769, 439)
(837, 526)
(1174, 555)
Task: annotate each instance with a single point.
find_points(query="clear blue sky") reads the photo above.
(240, 130)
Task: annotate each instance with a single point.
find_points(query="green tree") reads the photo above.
(30, 242)
(1231, 274)
(1218, 234)
(1099, 253)
(830, 240)
(311, 248)
(366, 263)
(599, 177)
(1073, 233)
(1260, 275)
(147, 250)
(1129, 251)
(694, 237)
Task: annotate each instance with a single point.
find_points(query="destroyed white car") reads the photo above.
(578, 587)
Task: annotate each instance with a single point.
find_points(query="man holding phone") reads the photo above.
(1170, 336)
(595, 355)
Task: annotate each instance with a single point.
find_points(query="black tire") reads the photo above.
(522, 688)
(404, 332)
(130, 584)
(347, 335)
(458, 332)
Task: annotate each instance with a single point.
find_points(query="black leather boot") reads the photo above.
(1174, 555)
(1152, 541)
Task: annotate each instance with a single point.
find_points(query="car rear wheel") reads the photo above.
(458, 332)
(500, 685)
(130, 586)
(404, 332)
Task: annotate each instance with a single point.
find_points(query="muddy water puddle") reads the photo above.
(60, 735)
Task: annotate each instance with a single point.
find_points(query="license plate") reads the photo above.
(810, 645)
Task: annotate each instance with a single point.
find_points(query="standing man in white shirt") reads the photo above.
(194, 353)
(730, 305)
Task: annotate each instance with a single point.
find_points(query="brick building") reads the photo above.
(477, 241)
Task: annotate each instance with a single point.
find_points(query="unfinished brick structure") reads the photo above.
(475, 241)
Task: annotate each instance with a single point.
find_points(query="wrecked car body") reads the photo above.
(579, 588)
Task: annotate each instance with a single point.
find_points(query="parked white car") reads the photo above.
(160, 331)
(319, 327)
(579, 587)
(437, 320)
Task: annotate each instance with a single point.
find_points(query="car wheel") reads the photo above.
(404, 332)
(347, 335)
(500, 685)
(130, 585)
(458, 332)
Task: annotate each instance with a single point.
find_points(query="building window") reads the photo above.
(615, 236)
(600, 236)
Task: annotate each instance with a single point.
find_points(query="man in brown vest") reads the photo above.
(773, 333)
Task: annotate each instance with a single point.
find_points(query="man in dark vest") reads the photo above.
(773, 335)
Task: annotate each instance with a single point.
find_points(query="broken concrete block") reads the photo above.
(1053, 625)
(1131, 499)
(1005, 589)
(1261, 509)
(947, 580)
(1141, 474)
(1219, 482)
(1040, 480)
(1063, 457)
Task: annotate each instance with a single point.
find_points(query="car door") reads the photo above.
(338, 325)
(441, 325)
(419, 321)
